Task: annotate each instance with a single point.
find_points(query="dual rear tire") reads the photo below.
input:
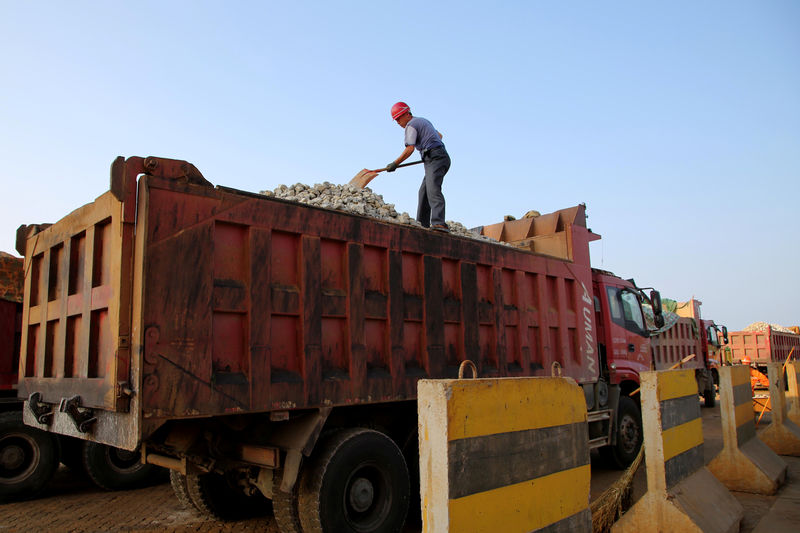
(357, 482)
(28, 458)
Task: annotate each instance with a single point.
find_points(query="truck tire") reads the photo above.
(217, 496)
(629, 435)
(115, 469)
(28, 458)
(178, 483)
(358, 482)
(285, 506)
(710, 397)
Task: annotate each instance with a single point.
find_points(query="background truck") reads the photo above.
(262, 348)
(682, 334)
(28, 456)
(761, 346)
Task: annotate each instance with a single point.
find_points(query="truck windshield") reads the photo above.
(626, 311)
(712, 336)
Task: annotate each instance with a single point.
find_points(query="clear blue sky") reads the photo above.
(677, 123)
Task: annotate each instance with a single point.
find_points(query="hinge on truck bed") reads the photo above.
(83, 419)
(42, 411)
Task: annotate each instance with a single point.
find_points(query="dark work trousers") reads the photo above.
(430, 209)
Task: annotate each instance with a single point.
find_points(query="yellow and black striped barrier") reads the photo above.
(793, 392)
(745, 463)
(507, 454)
(682, 495)
(782, 435)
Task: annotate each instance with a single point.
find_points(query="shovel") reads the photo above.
(364, 176)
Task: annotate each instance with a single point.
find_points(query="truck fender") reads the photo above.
(298, 437)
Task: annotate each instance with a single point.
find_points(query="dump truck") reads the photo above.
(759, 347)
(264, 349)
(690, 335)
(29, 456)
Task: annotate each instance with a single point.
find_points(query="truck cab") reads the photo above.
(623, 335)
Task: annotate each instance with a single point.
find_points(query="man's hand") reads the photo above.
(391, 167)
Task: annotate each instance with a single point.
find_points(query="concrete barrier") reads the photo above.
(508, 454)
(682, 495)
(793, 394)
(782, 435)
(745, 463)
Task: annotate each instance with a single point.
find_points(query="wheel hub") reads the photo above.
(362, 494)
(12, 457)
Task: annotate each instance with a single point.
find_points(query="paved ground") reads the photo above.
(72, 504)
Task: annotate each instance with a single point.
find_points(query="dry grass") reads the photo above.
(616, 499)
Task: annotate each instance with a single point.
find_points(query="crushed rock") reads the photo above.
(360, 202)
(760, 326)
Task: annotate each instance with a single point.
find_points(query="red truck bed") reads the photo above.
(183, 300)
(765, 346)
(679, 341)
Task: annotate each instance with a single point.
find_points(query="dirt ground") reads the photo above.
(73, 504)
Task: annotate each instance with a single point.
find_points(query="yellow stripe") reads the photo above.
(744, 413)
(681, 438)
(490, 406)
(676, 384)
(524, 506)
(740, 375)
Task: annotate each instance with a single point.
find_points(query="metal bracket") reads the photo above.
(82, 419)
(43, 412)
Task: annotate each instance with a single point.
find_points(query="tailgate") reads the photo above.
(76, 311)
(75, 366)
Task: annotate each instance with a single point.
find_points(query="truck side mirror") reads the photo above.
(658, 312)
(725, 334)
(655, 301)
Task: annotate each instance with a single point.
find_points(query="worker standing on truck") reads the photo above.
(420, 134)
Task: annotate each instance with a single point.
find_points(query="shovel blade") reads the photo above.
(363, 177)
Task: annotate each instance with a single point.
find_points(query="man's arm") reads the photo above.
(391, 167)
(405, 155)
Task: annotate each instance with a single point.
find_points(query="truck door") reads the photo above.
(630, 346)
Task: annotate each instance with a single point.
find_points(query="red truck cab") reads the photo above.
(623, 337)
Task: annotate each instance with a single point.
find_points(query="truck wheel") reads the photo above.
(629, 435)
(219, 497)
(285, 505)
(178, 483)
(28, 458)
(710, 397)
(115, 469)
(358, 483)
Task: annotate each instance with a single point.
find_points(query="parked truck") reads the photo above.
(759, 347)
(261, 348)
(690, 335)
(29, 456)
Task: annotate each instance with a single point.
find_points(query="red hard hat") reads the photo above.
(399, 109)
(745, 360)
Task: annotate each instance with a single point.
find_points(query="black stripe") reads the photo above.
(745, 432)
(677, 411)
(484, 463)
(581, 521)
(742, 394)
(683, 465)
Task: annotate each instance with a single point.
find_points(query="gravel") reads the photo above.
(359, 201)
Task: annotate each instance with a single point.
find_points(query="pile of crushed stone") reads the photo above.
(761, 326)
(359, 201)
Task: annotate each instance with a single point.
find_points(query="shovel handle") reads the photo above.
(398, 166)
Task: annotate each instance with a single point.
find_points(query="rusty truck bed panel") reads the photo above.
(244, 303)
(679, 341)
(763, 346)
(292, 306)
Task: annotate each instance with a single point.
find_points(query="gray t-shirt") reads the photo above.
(421, 134)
